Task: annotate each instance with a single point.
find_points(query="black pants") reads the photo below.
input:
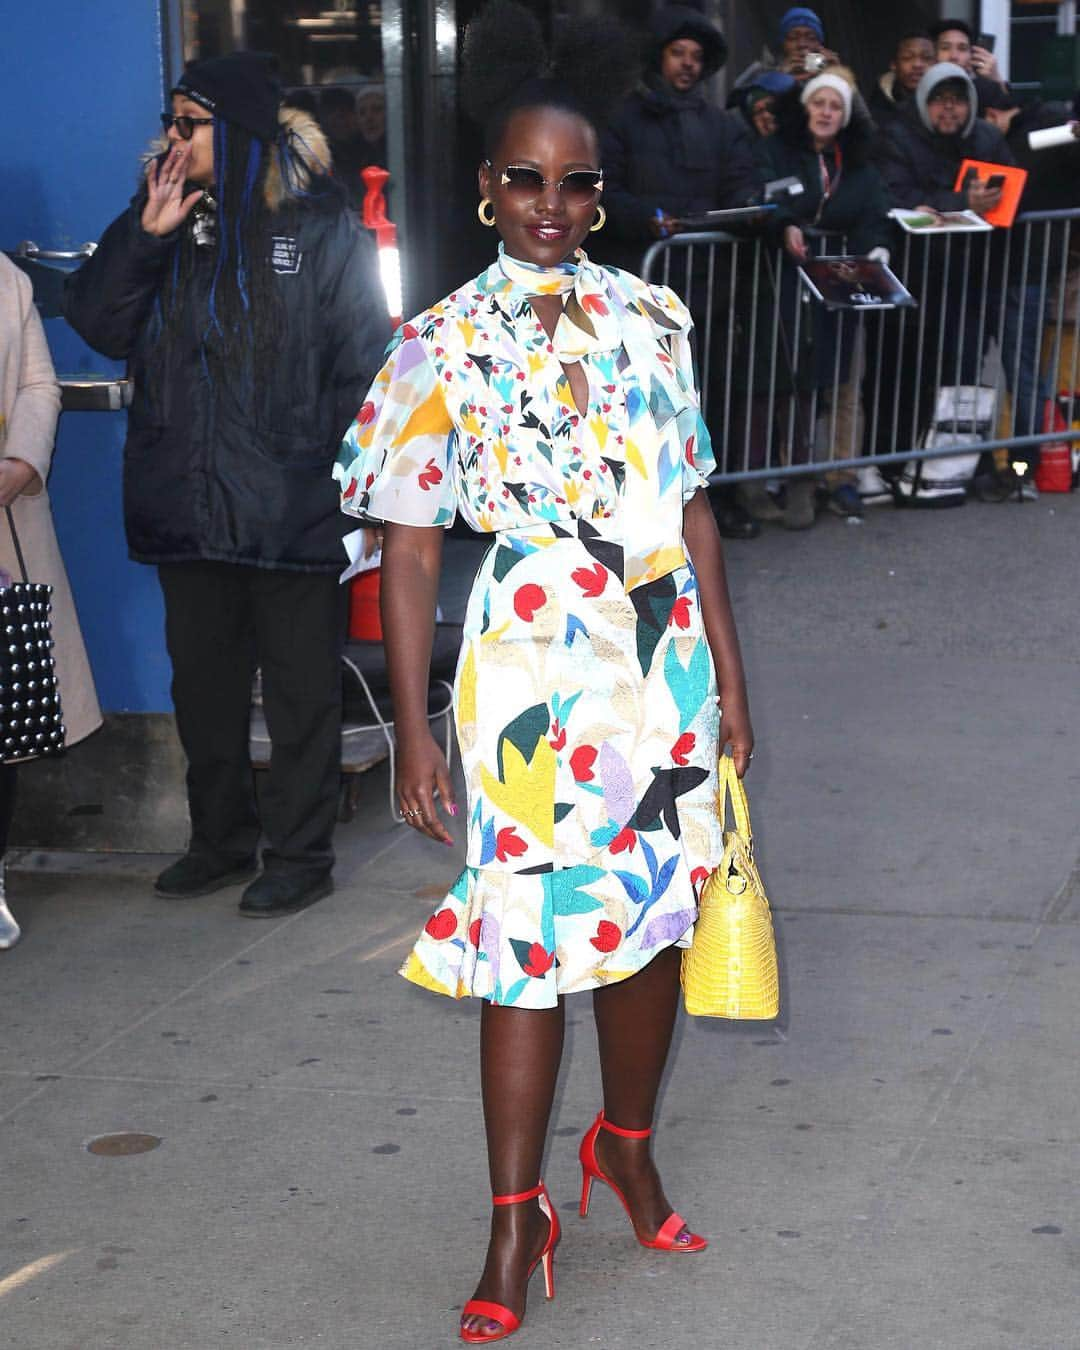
(223, 620)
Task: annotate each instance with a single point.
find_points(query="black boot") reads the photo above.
(200, 874)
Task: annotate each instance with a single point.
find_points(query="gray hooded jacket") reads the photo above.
(919, 165)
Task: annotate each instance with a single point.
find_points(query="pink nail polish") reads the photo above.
(452, 808)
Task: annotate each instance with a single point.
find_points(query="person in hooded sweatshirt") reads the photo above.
(923, 148)
(920, 157)
(245, 299)
(670, 153)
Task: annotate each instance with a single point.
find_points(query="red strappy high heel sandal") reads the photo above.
(672, 1226)
(507, 1320)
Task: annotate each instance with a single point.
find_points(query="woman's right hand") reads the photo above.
(421, 772)
(795, 243)
(166, 206)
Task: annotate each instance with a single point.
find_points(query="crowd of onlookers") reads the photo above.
(354, 123)
(673, 154)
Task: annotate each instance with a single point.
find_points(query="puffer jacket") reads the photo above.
(857, 206)
(227, 465)
(668, 151)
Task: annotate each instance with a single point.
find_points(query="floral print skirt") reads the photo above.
(588, 726)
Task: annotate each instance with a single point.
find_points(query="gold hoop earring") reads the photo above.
(598, 223)
(485, 220)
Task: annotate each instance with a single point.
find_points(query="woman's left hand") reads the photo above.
(736, 730)
(16, 476)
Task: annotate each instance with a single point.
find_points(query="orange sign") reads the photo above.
(1012, 187)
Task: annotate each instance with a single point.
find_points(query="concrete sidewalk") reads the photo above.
(892, 1166)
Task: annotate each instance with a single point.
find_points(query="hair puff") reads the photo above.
(593, 63)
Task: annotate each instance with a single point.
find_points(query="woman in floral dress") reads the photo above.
(551, 402)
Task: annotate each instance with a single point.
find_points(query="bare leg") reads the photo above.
(520, 1051)
(634, 1022)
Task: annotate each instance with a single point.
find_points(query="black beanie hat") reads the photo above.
(243, 88)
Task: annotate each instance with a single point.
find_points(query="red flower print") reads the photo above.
(623, 841)
(690, 451)
(581, 763)
(441, 925)
(608, 936)
(509, 844)
(366, 413)
(699, 876)
(350, 491)
(592, 580)
(408, 331)
(474, 932)
(682, 747)
(431, 475)
(527, 600)
(593, 304)
(680, 613)
(558, 739)
(540, 961)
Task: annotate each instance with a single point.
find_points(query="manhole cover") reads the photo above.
(122, 1145)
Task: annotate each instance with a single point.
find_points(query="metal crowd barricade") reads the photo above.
(788, 388)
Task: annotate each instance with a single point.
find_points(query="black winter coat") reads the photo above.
(229, 467)
(920, 167)
(857, 205)
(648, 165)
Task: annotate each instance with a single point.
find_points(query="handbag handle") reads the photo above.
(15, 541)
(731, 788)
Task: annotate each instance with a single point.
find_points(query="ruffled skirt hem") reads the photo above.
(523, 940)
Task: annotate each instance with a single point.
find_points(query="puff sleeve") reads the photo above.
(698, 458)
(397, 461)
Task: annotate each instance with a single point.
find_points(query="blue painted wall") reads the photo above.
(82, 92)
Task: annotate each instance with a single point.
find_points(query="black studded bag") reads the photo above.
(31, 723)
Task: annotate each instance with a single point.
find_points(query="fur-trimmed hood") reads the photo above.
(300, 155)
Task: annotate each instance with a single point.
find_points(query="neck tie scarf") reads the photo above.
(594, 319)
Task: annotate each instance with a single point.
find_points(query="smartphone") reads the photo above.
(995, 181)
(986, 40)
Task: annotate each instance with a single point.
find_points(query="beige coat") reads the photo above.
(29, 404)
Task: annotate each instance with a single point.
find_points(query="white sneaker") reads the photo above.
(9, 929)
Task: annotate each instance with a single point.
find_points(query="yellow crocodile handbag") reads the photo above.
(730, 970)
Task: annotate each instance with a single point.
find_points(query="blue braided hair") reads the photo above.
(244, 318)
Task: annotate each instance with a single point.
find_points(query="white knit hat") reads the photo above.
(827, 80)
